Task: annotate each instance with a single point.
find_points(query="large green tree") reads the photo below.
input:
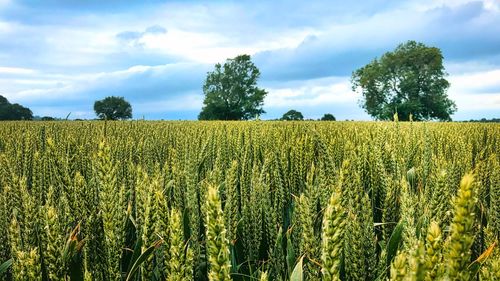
(113, 108)
(231, 91)
(9, 111)
(409, 80)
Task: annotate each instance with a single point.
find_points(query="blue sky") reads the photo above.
(60, 56)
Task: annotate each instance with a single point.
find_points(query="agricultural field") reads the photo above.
(139, 200)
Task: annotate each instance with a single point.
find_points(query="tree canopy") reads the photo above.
(9, 111)
(292, 115)
(231, 91)
(328, 117)
(409, 80)
(113, 108)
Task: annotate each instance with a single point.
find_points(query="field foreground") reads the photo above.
(249, 200)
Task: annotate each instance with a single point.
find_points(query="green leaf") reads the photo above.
(142, 258)
(290, 253)
(135, 254)
(5, 266)
(394, 241)
(234, 264)
(297, 274)
(130, 241)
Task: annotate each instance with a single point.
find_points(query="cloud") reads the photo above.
(163, 88)
(156, 54)
(155, 29)
(134, 37)
(482, 82)
(476, 94)
(15, 70)
(4, 3)
(342, 48)
(312, 93)
(204, 46)
(314, 98)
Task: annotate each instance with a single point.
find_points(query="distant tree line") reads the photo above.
(294, 115)
(484, 120)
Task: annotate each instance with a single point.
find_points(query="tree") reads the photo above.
(113, 108)
(328, 117)
(292, 115)
(231, 91)
(411, 79)
(9, 111)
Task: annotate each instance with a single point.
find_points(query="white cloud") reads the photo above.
(493, 5)
(490, 101)
(476, 81)
(68, 87)
(213, 47)
(16, 70)
(315, 92)
(476, 91)
(86, 47)
(426, 5)
(5, 27)
(457, 68)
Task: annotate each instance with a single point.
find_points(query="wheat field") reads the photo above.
(144, 200)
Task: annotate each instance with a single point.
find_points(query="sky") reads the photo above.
(59, 56)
